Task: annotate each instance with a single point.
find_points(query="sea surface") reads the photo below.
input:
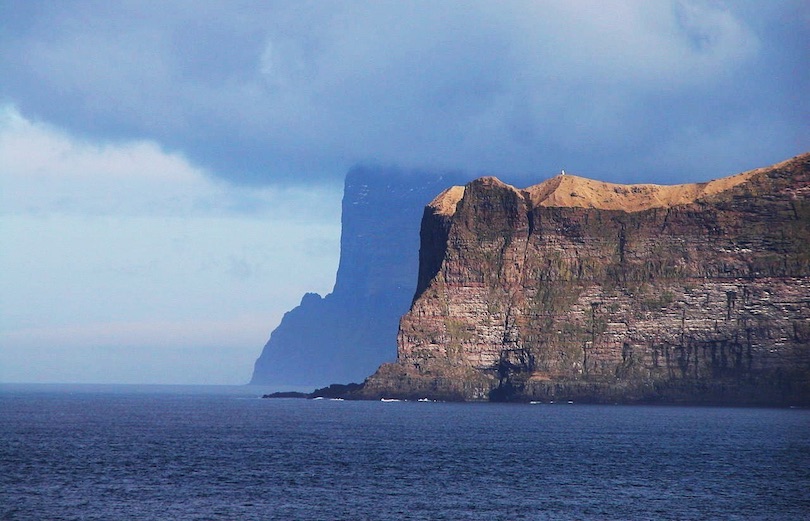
(183, 453)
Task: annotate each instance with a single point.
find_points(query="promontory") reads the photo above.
(581, 290)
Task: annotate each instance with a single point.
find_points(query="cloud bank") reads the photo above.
(289, 92)
(123, 263)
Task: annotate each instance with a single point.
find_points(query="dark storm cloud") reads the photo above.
(293, 91)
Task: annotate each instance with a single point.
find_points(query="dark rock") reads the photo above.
(334, 391)
(337, 391)
(287, 394)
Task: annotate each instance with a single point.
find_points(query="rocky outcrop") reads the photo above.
(579, 290)
(345, 335)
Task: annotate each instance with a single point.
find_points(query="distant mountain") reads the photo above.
(346, 335)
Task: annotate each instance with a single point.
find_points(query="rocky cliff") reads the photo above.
(347, 334)
(575, 289)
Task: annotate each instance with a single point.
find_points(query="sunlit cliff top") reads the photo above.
(567, 190)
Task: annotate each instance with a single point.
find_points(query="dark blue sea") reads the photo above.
(178, 453)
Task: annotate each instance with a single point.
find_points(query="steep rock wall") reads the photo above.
(580, 290)
(345, 335)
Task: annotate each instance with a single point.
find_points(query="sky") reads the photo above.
(171, 172)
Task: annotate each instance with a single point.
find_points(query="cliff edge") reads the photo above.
(347, 334)
(576, 289)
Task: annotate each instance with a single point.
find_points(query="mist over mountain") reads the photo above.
(345, 335)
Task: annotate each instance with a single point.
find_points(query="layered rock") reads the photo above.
(347, 334)
(575, 289)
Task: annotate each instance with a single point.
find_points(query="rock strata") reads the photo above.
(580, 290)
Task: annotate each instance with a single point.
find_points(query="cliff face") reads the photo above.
(579, 290)
(347, 334)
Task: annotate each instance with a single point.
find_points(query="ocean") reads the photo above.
(194, 453)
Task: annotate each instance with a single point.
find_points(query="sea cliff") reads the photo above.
(345, 335)
(575, 289)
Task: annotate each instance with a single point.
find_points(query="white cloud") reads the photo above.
(130, 251)
(46, 171)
